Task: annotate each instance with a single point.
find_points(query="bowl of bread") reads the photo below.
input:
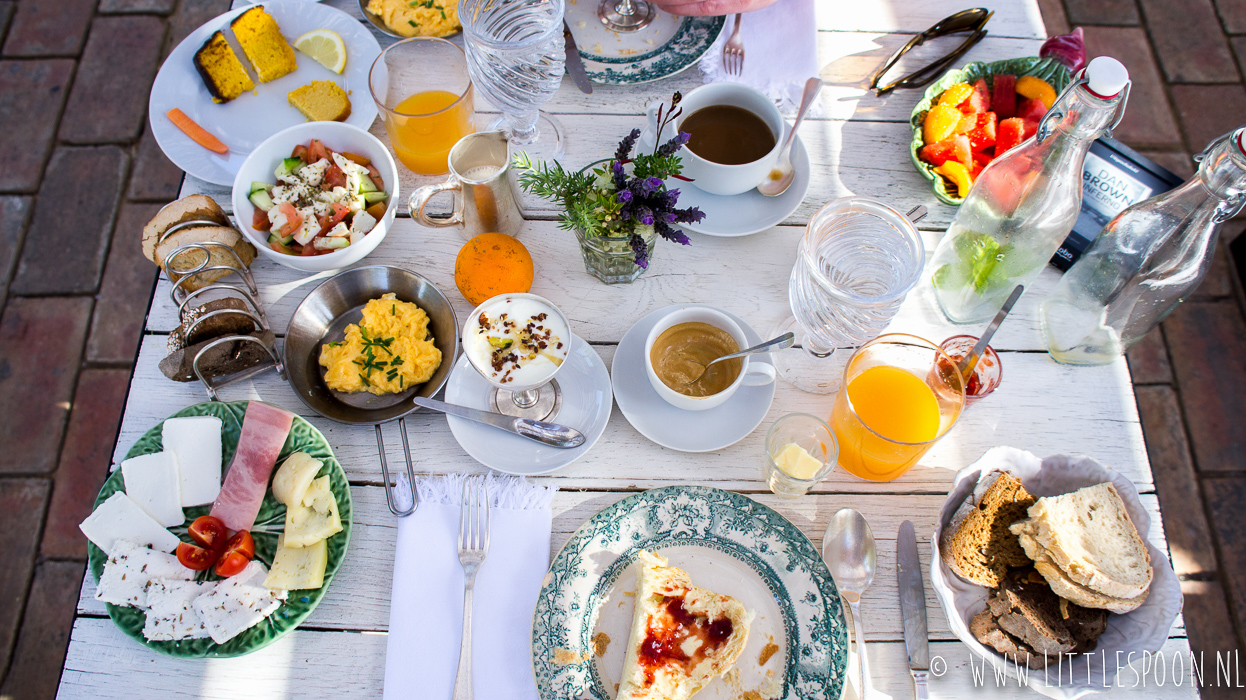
(1038, 562)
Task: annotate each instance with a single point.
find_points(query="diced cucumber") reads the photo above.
(325, 243)
(288, 166)
(365, 183)
(259, 187)
(274, 238)
(261, 200)
(374, 197)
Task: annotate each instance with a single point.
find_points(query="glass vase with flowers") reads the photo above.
(618, 207)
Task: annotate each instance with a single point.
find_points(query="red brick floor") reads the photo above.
(74, 77)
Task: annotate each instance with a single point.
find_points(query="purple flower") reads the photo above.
(623, 196)
(625, 146)
(620, 179)
(644, 215)
(671, 234)
(640, 250)
(691, 215)
(652, 183)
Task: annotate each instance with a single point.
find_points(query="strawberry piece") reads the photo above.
(1004, 96)
(952, 148)
(979, 101)
(983, 134)
(1031, 109)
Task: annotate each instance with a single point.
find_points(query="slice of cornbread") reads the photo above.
(221, 70)
(321, 101)
(260, 38)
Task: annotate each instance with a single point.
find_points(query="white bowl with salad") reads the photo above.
(317, 196)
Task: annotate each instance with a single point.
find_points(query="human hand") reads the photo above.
(709, 7)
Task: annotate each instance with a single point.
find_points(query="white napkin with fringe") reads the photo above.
(780, 52)
(426, 607)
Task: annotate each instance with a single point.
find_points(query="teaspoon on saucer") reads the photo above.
(784, 341)
(782, 175)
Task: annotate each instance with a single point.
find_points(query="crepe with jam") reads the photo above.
(682, 635)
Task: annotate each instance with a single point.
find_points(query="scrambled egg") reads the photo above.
(418, 17)
(387, 352)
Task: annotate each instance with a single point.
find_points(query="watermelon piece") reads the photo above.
(952, 148)
(1011, 132)
(979, 101)
(983, 134)
(1004, 96)
(966, 124)
(1031, 109)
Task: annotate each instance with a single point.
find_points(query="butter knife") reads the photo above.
(575, 64)
(548, 433)
(913, 606)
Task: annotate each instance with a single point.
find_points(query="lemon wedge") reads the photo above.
(325, 47)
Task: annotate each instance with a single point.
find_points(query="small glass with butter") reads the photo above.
(800, 450)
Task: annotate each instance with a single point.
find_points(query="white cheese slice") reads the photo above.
(196, 442)
(362, 223)
(339, 230)
(152, 482)
(315, 519)
(120, 518)
(298, 568)
(235, 606)
(294, 476)
(310, 227)
(131, 568)
(170, 615)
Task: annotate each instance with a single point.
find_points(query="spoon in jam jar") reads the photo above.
(782, 174)
(783, 342)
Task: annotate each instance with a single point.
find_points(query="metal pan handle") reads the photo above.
(389, 488)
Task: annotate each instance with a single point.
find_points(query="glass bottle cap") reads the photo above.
(1106, 76)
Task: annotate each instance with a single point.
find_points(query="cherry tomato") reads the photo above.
(209, 532)
(241, 542)
(231, 564)
(195, 558)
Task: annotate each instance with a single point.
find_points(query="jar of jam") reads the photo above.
(986, 375)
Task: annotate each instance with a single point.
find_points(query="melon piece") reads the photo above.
(1031, 109)
(983, 134)
(1004, 96)
(1011, 133)
(955, 148)
(979, 101)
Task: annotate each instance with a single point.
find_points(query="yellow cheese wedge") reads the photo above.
(797, 462)
(298, 568)
(294, 476)
(315, 519)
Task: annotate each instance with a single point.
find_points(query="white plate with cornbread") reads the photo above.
(244, 121)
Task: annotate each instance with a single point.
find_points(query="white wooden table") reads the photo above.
(858, 146)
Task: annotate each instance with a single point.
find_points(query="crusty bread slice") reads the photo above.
(985, 629)
(1064, 586)
(659, 586)
(1025, 607)
(196, 207)
(977, 545)
(157, 246)
(1089, 535)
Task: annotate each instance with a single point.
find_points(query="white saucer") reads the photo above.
(686, 431)
(742, 214)
(586, 403)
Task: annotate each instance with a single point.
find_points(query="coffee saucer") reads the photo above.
(586, 403)
(686, 431)
(746, 213)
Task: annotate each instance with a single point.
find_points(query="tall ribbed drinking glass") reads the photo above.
(516, 59)
(857, 261)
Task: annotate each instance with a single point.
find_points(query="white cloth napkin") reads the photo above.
(780, 51)
(426, 607)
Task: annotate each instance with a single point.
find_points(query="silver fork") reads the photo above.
(733, 50)
(473, 546)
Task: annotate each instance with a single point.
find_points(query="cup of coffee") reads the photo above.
(736, 133)
(680, 346)
(483, 201)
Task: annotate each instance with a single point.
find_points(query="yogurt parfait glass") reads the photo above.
(518, 342)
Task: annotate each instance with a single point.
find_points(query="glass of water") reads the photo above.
(857, 261)
(516, 59)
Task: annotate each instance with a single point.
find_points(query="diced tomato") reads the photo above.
(1011, 133)
(1004, 96)
(356, 158)
(259, 220)
(376, 211)
(983, 134)
(281, 249)
(376, 176)
(339, 213)
(300, 151)
(209, 532)
(952, 148)
(1031, 109)
(294, 220)
(309, 249)
(316, 151)
(333, 177)
(195, 558)
(979, 101)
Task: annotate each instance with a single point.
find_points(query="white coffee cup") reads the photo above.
(707, 175)
(751, 373)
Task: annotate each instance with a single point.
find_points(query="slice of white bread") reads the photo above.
(1089, 535)
(678, 679)
(196, 207)
(1067, 588)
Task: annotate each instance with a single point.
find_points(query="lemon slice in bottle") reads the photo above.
(325, 47)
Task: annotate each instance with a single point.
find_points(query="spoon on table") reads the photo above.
(783, 342)
(782, 175)
(970, 361)
(848, 550)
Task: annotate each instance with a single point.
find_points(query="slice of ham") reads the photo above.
(264, 431)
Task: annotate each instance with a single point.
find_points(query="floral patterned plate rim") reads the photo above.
(728, 543)
(269, 524)
(668, 46)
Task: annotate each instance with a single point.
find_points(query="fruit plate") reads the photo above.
(727, 543)
(268, 525)
(1048, 69)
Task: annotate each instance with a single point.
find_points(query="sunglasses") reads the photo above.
(972, 21)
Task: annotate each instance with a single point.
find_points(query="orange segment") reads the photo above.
(1036, 89)
(956, 94)
(941, 122)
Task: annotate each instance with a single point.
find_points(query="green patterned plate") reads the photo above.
(729, 544)
(668, 46)
(268, 525)
(1048, 69)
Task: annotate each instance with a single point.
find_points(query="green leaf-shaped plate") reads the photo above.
(268, 525)
(1048, 69)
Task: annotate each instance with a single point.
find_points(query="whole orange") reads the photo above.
(491, 264)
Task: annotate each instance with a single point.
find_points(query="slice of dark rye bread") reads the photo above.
(985, 629)
(978, 545)
(1026, 609)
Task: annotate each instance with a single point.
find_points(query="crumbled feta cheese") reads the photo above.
(313, 174)
(362, 223)
(310, 226)
(339, 230)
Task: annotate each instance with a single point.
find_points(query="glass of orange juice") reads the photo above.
(893, 405)
(425, 96)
